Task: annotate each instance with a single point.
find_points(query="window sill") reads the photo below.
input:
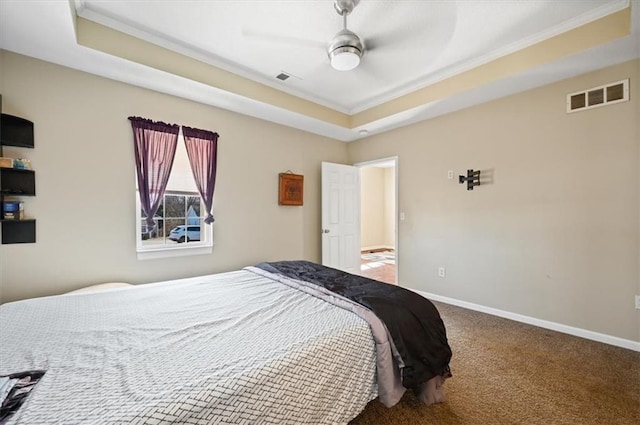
(183, 251)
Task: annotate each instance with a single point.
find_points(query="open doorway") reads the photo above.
(378, 219)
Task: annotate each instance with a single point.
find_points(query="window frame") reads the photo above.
(149, 252)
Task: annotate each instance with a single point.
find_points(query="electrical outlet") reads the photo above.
(442, 272)
(450, 174)
(638, 302)
(401, 216)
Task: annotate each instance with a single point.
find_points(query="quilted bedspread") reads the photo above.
(414, 324)
(229, 348)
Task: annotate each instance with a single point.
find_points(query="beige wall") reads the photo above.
(377, 202)
(390, 207)
(372, 207)
(554, 233)
(85, 179)
(635, 93)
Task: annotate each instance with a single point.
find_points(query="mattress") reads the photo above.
(229, 348)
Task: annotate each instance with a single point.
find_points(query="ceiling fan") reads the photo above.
(345, 48)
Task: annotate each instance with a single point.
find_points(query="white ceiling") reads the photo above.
(412, 44)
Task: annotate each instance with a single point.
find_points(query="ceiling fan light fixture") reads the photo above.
(345, 50)
(345, 58)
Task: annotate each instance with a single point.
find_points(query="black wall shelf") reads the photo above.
(18, 132)
(17, 182)
(18, 231)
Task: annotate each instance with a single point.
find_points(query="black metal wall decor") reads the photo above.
(472, 178)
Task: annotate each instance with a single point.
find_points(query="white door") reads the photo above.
(341, 217)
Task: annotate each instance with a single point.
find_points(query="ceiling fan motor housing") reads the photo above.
(346, 39)
(345, 50)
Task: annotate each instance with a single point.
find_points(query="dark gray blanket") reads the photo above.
(412, 320)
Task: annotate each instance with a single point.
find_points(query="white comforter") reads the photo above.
(227, 348)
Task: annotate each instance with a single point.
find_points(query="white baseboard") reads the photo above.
(370, 248)
(583, 333)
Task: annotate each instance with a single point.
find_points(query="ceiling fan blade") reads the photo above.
(287, 40)
(437, 26)
(395, 38)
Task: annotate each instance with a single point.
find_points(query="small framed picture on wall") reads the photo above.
(291, 189)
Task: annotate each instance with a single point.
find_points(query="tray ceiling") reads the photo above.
(423, 58)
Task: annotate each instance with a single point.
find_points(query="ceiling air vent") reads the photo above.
(598, 96)
(282, 76)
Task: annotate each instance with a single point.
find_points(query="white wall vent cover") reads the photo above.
(598, 96)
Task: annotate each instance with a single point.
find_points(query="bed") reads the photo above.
(257, 345)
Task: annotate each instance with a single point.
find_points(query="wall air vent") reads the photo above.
(598, 96)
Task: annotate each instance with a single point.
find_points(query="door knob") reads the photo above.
(325, 230)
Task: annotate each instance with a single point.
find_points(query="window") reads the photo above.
(179, 221)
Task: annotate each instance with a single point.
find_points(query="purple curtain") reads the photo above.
(202, 149)
(155, 148)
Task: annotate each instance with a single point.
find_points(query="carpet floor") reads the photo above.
(506, 372)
